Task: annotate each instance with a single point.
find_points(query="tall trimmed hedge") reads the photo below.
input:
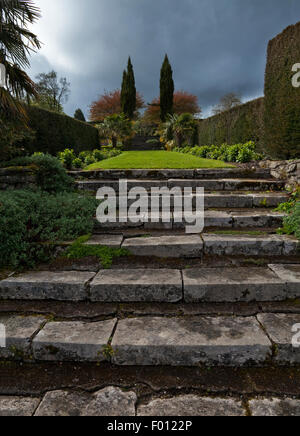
(282, 100)
(238, 125)
(56, 132)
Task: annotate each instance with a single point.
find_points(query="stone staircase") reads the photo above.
(225, 298)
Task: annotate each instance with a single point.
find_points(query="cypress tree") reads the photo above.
(166, 90)
(128, 93)
(79, 115)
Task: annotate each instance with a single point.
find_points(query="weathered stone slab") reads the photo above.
(252, 185)
(211, 341)
(62, 403)
(269, 199)
(18, 406)
(231, 173)
(73, 341)
(192, 405)
(275, 407)
(291, 275)
(220, 285)
(46, 285)
(211, 219)
(228, 201)
(111, 241)
(140, 285)
(291, 246)
(231, 245)
(280, 328)
(258, 218)
(18, 332)
(208, 185)
(123, 221)
(158, 221)
(110, 401)
(166, 246)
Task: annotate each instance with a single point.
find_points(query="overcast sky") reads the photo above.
(215, 46)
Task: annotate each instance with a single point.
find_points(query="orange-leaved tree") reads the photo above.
(184, 102)
(110, 104)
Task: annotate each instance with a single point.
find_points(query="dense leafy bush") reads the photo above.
(30, 220)
(291, 224)
(50, 174)
(55, 132)
(282, 105)
(69, 159)
(13, 133)
(238, 125)
(240, 153)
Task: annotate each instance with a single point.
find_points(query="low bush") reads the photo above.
(291, 224)
(240, 153)
(70, 160)
(32, 222)
(50, 174)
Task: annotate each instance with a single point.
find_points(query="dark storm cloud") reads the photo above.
(215, 46)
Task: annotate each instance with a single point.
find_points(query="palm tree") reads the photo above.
(16, 44)
(179, 127)
(115, 127)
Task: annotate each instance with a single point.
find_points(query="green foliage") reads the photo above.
(49, 172)
(240, 153)
(116, 127)
(13, 134)
(291, 223)
(105, 254)
(55, 132)
(282, 100)
(128, 92)
(238, 125)
(67, 158)
(166, 90)
(79, 115)
(32, 222)
(85, 158)
(180, 128)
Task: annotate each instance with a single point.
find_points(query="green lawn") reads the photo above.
(156, 160)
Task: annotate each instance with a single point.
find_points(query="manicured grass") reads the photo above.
(156, 160)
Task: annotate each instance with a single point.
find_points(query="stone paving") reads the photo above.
(115, 402)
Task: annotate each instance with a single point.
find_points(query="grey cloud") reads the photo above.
(215, 46)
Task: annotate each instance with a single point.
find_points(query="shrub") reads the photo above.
(77, 163)
(67, 157)
(32, 222)
(55, 132)
(291, 224)
(238, 125)
(50, 173)
(229, 153)
(282, 108)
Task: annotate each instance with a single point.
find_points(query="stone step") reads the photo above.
(219, 200)
(208, 185)
(213, 341)
(226, 173)
(166, 246)
(213, 245)
(202, 285)
(239, 219)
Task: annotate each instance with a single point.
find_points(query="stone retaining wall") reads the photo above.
(284, 170)
(16, 178)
